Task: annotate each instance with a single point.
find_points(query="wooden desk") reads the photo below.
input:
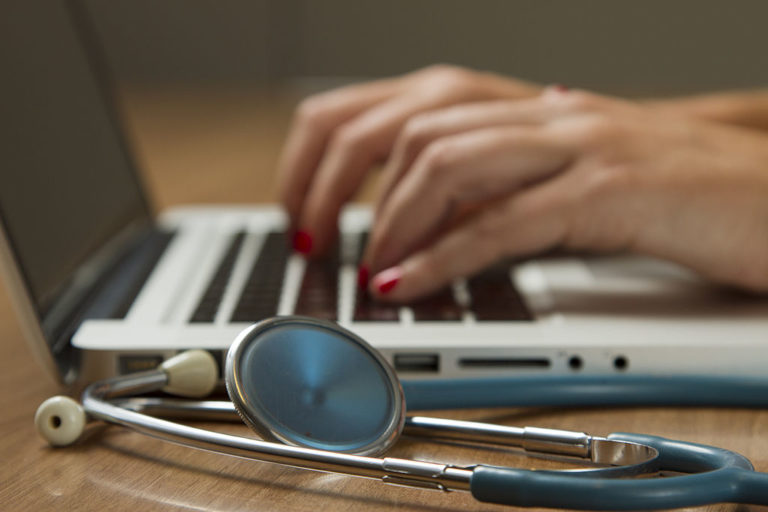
(221, 146)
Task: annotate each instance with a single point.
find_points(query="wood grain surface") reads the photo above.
(221, 145)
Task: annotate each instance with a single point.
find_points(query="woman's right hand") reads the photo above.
(337, 136)
(572, 170)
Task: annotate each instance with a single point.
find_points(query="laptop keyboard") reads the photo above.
(487, 297)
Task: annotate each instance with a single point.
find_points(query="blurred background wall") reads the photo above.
(638, 47)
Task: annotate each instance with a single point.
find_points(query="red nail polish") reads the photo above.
(559, 88)
(302, 242)
(385, 281)
(363, 273)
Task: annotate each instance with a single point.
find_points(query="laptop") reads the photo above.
(105, 286)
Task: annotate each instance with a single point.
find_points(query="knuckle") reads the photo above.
(605, 182)
(598, 130)
(449, 78)
(441, 69)
(415, 135)
(347, 138)
(437, 158)
(311, 112)
(583, 101)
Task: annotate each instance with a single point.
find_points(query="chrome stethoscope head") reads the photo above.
(307, 382)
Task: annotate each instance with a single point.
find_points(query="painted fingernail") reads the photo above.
(302, 242)
(386, 280)
(559, 88)
(363, 274)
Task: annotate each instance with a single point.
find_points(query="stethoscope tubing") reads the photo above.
(720, 476)
(509, 486)
(591, 390)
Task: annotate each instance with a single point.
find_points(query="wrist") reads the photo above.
(746, 109)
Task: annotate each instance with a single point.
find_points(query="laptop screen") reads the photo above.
(67, 184)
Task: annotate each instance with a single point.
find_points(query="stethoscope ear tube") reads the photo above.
(720, 476)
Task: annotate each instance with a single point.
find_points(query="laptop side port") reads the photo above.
(132, 363)
(505, 362)
(412, 363)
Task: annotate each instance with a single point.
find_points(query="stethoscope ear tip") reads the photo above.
(60, 420)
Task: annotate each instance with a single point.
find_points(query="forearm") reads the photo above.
(743, 108)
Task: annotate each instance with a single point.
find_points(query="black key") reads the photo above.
(438, 307)
(209, 303)
(319, 292)
(367, 309)
(261, 293)
(494, 297)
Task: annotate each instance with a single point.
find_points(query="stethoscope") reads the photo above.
(323, 399)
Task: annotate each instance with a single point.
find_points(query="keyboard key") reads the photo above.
(494, 297)
(319, 291)
(261, 293)
(367, 309)
(209, 303)
(438, 307)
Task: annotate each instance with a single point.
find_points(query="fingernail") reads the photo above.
(386, 280)
(363, 273)
(559, 88)
(302, 242)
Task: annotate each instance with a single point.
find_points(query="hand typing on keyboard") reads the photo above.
(481, 168)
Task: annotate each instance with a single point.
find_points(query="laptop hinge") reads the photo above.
(111, 289)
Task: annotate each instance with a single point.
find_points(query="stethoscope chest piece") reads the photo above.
(307, 383)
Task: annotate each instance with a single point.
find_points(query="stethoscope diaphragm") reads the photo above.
(307, 383)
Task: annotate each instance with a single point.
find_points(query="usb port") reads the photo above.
(417, 363)
(138, 363)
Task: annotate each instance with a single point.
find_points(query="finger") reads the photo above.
(350, 153)
(479, 165)
(529, 222)
(315, 119)
(422, 130)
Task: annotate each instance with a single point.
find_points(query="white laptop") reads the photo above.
(104, 287)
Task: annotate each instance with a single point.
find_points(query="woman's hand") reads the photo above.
(482, 167)
(337, 136)
(573, 170)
